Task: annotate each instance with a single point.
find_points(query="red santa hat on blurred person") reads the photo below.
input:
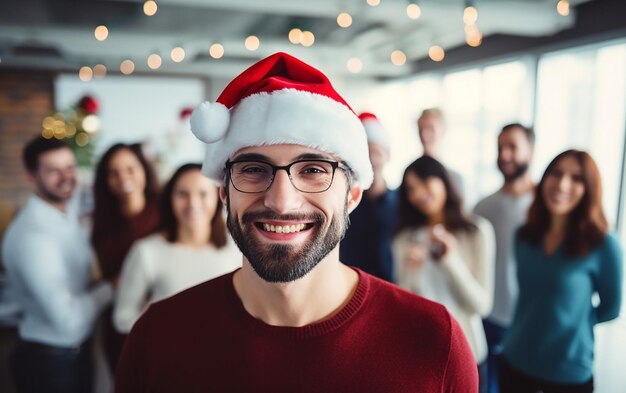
(374, 129)
(281, 100)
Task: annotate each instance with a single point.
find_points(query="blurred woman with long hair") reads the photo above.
(125, 209)
(564, 255)
(192, 246)
(443, 254)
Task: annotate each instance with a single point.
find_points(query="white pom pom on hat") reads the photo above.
(209, 121)
(281, 100)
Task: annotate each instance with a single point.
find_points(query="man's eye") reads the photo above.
(313, 170)
(253, 169)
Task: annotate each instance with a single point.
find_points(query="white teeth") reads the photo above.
(558, 197)
(128, 186)
(283, 229)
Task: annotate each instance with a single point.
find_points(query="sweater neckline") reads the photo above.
(340, 318)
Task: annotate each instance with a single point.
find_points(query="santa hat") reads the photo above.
(374, 129)
(281, 100)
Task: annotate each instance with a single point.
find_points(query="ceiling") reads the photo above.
(59, 34)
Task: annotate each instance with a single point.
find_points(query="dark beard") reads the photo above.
(520, 170)
(48, 195)
(282, 263)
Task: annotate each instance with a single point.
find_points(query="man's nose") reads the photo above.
(282, 197)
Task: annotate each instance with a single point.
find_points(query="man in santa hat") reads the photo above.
(292, 159)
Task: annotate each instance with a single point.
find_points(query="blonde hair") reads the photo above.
(434, 112)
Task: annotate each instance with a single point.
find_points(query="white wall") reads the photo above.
(140, 109)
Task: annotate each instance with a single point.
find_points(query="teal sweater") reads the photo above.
(551, 337)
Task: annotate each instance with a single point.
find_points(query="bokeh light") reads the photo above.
(413, 11)
(252, 43)
(308, 38)
(150, 7)
(344, 20)
(127, 67)
(85, 74)
(101, 33)
(398, 57)
(99, 71)
(436, 53)
(354, 65)
(154, 61)
(177, 54)
(216, 51)
(295, 36)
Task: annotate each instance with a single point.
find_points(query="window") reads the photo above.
(581, 103)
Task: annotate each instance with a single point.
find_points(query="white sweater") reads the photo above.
(155, 269)
(48, 262)
(462, 280)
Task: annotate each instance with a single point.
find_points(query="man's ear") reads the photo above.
(223, 193)
(30, 176)
(354, 196)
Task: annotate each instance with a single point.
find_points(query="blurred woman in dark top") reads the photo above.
(125, 209)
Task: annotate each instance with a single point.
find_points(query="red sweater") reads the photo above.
(384, 340)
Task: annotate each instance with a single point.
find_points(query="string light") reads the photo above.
(48, 122)
(344, 20)
(295, 36)
(436, 53)
(101, 32)
(70, 129)
(85, 74)
(354, 65)
(474, 39)
(252, 43)
(470, 15)
(82, 139)
(154, 61)
(127, 67)
(99, 71)
(398, 57)
(150, 7)
(177, 54)
(373, 3)
(308, 38)
(562, 7)
(91, 123)
(216, 51)
(413, 11)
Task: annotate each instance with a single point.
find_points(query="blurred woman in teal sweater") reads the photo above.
(564, 256)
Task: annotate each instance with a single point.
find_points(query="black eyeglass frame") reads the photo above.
(286, 168)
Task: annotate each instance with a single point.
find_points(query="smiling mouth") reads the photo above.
(283, 228)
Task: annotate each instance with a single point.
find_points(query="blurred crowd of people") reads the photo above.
(149, 243)
(518, 272)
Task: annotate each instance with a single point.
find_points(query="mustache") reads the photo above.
(251, 217)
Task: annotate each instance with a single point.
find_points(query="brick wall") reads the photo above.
(26, 97)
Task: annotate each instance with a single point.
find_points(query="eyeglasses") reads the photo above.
(311, 176)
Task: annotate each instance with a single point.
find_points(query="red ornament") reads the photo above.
(89, 104)
(185, 113)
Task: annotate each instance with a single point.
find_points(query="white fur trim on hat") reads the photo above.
(290, 116)
(209, 121)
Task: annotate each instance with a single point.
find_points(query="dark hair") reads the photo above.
(106, 205)
(528, 131)
(169, 223)
(38, 146)
(411, 217)
(587, 224)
